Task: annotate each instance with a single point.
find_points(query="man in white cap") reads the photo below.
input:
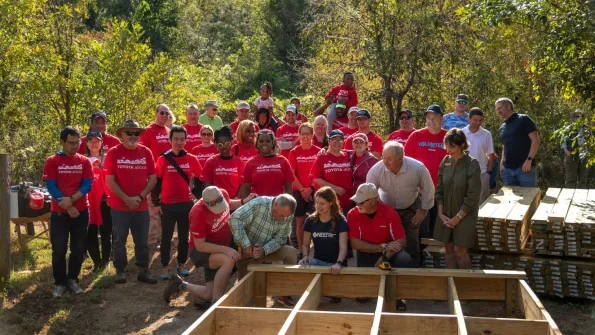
(242, 113)
(351, 127)
(287, 134)
(210, 247)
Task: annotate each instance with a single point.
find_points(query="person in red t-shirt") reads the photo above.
(243, 113)
(361, 160)
(130, 177)
(320, 138)
(68, 177)
(224, 170)
(300, 118)
(210, 247)
(172, 197)
(207, 148)
(268, 173)
(99, 124)
(374, 140)
(346, 92)
(301, 159)
(192, 127)
(427, 146)
(351, 127)
(333, 169)
(287, 134)
(341, 120)
(406, 121)
(245, 141)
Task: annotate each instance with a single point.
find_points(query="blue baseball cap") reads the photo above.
(434, 109)
(363, 113)
(336, 133)
(99, 114)
(93, 133)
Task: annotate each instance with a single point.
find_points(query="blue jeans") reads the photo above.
(516, 177)
(138, 224)
(331, 116)
(317, 262)
(61, 227)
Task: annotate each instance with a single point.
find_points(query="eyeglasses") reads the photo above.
(306, 134)
(363, 202)
(405, 117)
(226, 144)
(74, 142)
(132, 133)
(163, 113)
(214, 202)
(206, 134)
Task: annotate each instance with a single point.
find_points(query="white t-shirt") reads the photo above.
(481, 144)
(267, 103)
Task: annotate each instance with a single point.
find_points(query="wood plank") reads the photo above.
(421, 288)
(390, 292)
(546, 205)
(561, 207)
(518, 214)
(379, 306)
(454, 306)
(241, 294)
(308, 301)
(533, 309)
(499, 326)
(508, 197)
(260, 289)
(581, 209)
(488, 207)
(511, 297)
(481, 288)
(249, 320)
(335, 323)
(350, 286)
(284, 283)
(417, 324)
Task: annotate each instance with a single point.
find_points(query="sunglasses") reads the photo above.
(214, 202)
(132, 133)
(163, 113)
(363, 202)
(462, 102)
(206, 134)
(405, 117)
(226, 144)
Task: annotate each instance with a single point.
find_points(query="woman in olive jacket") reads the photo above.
(457, 196)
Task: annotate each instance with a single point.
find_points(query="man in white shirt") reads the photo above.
(400, 181)
(481, 147)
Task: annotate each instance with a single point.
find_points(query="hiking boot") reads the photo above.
(120, 277)
(172, 288)
(59, 291)
(146, 277)
(74, 287)
(182, 272)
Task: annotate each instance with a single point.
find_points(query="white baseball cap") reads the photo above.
(364, 192)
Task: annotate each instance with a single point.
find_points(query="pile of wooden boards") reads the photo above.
(564, 224)
(504, 219)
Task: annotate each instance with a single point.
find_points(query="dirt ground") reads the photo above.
(137, 308)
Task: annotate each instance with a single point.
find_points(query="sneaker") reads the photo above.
(146, 277)
(182, 272)
(74, 286)
(164, 273)
(172, 288)
(285, 301)
(120, 277)
(59, 291)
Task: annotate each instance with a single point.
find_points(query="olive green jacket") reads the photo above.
(459, 187)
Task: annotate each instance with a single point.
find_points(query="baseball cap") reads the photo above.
(243, 105)
(360, 136)
(434, 109)
(291, 108)
(462, 99)
(213, 198)
(93, 133)
(338, 105)
(99, 114)
(335, 133)
(363, 113)
(408, 111)
(365, 192)
(352, 109)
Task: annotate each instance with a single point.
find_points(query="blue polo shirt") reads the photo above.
(514, 135)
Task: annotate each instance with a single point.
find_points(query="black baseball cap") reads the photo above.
(463, 99)
(363, 113)
(434, 109)
(93, 133)
(336, 133)
(99, 114)
(408, 111)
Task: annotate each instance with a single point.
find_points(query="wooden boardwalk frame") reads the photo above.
(229, 315)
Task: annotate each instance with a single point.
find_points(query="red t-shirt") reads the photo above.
(301, 118)
(348, 131)
(340, 122)
(337, 171)
(68, 172)
(224, 173)
(427, 148)
(341, 91)
(132, 169)
(208, 225)
(267, 175)
(244, 152)
(301, 162)
(234, 128)
(192, 136)
(174, 188)
(156, 138)
(384, 227)
(374, 142)
(400, 136)
(290, 133)
(109, 142)
(204, 153)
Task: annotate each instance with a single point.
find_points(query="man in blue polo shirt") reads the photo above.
(520, 142)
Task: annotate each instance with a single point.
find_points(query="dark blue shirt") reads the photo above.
(326, 243)
(514, 135)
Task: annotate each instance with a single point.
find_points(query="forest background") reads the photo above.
(62, 60)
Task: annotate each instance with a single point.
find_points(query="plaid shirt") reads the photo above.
(253, 223)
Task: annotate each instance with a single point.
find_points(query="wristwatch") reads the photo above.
(460, 216)
(529, 158)
(384, 247)
(140, 196)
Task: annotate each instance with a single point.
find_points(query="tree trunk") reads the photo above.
(388, 97)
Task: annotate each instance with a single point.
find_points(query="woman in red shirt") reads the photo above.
(301, 159)
(362, 160)
(207, 148)
(223, 170)
(245, 147)
(267, 173)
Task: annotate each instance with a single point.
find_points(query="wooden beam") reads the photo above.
(260, 289)
(249, 320)
(390, 294)
(205, 325)
(379, 306)
(560, 209)
(4, 219)
(315, 322)
(350, 286)
(511, 297)
(498, 326)
(533, 309)
(454, 306)
(284, 283)
(421, 288)
(309, 301)
(481, 288)
(241, 294)
(418, 324)
(546, 205)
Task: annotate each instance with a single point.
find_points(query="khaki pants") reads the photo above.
(576, 171)
(485, 187)
(154, 223)
(287, 254)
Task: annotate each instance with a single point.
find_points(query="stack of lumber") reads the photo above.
(504, 219)
(564, 224)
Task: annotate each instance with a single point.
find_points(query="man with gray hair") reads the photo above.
(261, 228)
(399, 180)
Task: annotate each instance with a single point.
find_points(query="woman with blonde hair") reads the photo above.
(245, 146)
(207, 148)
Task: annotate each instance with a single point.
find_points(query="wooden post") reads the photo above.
(4, 219)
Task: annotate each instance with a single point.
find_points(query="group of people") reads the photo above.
(266, 189)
